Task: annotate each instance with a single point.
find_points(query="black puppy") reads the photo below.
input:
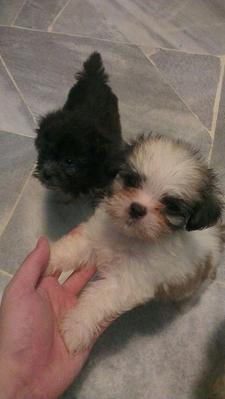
(80, 146)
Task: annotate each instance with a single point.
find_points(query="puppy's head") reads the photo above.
(74, 154)
(164, 186)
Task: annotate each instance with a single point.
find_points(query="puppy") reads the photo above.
(80, 146)
(151, 238)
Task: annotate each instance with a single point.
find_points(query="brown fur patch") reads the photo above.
(179, 291)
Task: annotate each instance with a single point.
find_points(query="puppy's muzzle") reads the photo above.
(137, 211)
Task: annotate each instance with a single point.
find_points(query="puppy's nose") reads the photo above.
(137, 210)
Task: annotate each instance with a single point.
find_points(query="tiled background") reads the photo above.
(166, 61)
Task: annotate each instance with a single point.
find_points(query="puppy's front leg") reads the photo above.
(101, 301)
(70, 253)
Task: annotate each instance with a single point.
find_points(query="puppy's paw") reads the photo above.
(76, 333)
(51, 269)
(56, 259)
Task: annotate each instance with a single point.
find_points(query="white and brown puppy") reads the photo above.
(146, 238)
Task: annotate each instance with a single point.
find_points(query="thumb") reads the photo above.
(29, 273)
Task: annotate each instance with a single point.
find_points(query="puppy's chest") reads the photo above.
(161, 262)
(115, 250)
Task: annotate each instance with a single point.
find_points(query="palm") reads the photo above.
(52, 300)
(35, 305)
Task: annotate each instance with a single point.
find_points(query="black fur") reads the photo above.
(80, 146)
(208, 210)
(199, 214)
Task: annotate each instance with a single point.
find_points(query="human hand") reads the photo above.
(34, 362)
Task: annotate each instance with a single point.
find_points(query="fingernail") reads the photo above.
(40, 241)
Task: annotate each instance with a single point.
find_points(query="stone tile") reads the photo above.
(14, 115)
(194, 77)
(200, 39)
(112, 20)
(9, 10)
(154, 352)
(39, 212)
(146, 101)
(190, 13)
(191, 25)
(4, 280)
(39, 14)
(16, 161)
(218, 159)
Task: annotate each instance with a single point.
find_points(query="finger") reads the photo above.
(29, 273)
(75, 230)
(77, 281)
(56, 274)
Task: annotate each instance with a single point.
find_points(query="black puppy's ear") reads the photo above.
(208, 210)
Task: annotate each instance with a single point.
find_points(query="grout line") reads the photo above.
(18, 13)
(17, 88)
(70, 35)
(174, 90)
(17, 201)
(57, 16)
(217, 104)
(184, 51)
(110, 41)
(141, 47)
(193, 25)
(153, 51)
(5, 273)
(95, 38)
(75, 35)
(17, 133)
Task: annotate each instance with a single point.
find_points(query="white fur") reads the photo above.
(131, 262)
(129, 271)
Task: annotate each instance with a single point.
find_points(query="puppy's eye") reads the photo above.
(173, 205)
(131, 179)
(177, 211)
(69, 162)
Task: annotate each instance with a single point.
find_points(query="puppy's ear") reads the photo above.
(208, 210)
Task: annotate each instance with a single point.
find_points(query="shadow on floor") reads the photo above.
(63, 214)
(214, 368)
(145, 320)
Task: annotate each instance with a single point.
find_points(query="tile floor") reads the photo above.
(166, 61)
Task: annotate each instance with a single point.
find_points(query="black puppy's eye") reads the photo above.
(69, 162)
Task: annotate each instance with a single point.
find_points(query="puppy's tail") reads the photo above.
(93, 69)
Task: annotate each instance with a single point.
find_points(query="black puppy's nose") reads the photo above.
(137, 210)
